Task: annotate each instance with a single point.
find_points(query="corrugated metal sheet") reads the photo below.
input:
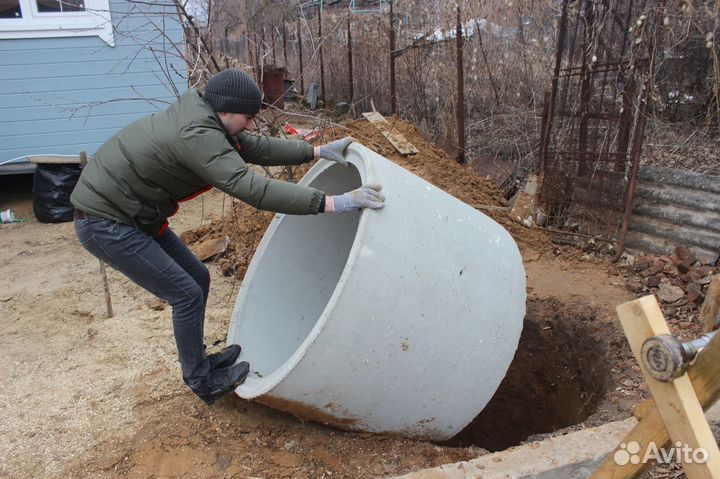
(64, 95)
(674, 207)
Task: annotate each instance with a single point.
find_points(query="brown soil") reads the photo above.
(246, 225)
(88, 396)
(559, 369)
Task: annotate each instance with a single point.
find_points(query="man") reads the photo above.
(136, 179)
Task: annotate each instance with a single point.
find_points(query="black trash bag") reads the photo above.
(52, 186)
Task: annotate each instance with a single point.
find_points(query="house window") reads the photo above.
(61, 6)
(10, 9)
(55, 18)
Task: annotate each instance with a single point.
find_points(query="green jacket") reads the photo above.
(138, 176)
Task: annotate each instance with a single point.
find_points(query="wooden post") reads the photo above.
(272, 38)
(284, 35)
(350, 63)
(322, 61)
(106, 289)
(711, 306)
(393, 91)
(676, 410)
(460, 88)
(301, 73)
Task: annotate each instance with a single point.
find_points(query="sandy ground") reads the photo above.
(88, 396)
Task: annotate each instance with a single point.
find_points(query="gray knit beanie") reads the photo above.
(233, 91)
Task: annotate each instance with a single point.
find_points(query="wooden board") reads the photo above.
(676, 408)
(396, 139)
(711, 305)
(55, 159)
(208, 248)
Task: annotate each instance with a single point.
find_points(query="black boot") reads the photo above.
(219, 382)
(225, 358)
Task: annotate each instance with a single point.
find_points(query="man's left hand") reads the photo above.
(335, 151)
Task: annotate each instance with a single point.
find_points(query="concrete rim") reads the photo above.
(254, 387)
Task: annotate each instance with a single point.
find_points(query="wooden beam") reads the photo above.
(676, 412)
(401, 144)
(711, 306)
(52, 159)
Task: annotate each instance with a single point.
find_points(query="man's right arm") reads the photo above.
(209, 155)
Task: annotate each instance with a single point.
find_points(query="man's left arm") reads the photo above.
(268, 151)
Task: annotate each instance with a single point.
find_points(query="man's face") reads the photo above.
(234, 123)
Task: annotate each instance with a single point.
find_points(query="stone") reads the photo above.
(643, 262)
(706, 270)
(705, 280)
(629, 259)
(695, 294)
(654, 268)
(156, 304)
(692, 276)
(686, 254)
(670, 270)
(634, 285)
(670, 294)
(653, 281)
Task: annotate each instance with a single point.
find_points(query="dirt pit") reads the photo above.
(557, 379)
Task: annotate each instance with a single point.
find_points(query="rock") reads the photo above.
(156, 304)
(654, 268)
(629, 259)
(653, 281)
(686, 254)
(227, 267)
(692, 276)
(705, 280)
(670, 270)
(676, 282)
(670, 294)
(706, 270)
(643, 262)
(695, 294)
(634, 285)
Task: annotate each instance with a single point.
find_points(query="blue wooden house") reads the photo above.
(73, 72)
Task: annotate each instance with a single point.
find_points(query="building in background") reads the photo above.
(73, 72)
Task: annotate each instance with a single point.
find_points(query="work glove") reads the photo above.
(335, 150)
(367, 196)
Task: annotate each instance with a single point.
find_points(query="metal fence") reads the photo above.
(594, 116)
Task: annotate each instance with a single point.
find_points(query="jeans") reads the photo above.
(165, 267)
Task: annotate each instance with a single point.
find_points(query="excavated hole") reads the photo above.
(557, 379)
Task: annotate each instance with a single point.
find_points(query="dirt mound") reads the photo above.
(246, 225)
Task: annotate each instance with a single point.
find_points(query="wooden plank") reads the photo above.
(396, 139)
(679, 403)
(55, 160)
(208, 248)
(705, 377)
(711, 305)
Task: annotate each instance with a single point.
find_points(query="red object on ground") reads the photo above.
(288, 128)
